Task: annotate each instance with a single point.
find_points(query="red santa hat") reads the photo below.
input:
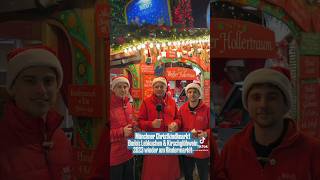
(272, 76)
(194, 86)
(160, 79)
(117, 80)
(23, 58)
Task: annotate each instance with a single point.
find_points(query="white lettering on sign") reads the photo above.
(233, 40)
(181, 73)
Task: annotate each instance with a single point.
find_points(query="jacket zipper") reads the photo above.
(47, 145)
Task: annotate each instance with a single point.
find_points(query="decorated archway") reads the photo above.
(302, 19)
(153, 51)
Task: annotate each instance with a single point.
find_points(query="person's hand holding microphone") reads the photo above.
(156, 123)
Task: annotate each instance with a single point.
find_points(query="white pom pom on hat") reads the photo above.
(23, 58)
(271, 76)
(117, 80)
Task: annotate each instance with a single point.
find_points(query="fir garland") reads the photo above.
(132, 35)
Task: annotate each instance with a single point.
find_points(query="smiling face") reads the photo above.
(266, 105)
(193, 95)
(159, 89)
(121, 89)
(35, 90)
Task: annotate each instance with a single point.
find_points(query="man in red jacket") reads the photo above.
(158, 113)
(32, 146)
(121, 159)
(121, 128)
(271, 146)
(195, 118)
(235, 72)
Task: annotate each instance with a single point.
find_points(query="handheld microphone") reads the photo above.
(159, 109)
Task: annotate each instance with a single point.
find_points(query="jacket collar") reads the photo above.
(290, 137)
(201, 105)
(118, 101)
(157, 100)
(26, 126)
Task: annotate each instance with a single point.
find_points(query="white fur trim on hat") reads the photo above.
(264, 75)
(236, 63)
(32, 58)
(194, 86)
(117, 80)
(160, 79)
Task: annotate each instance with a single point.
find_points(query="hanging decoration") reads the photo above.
(83, 69)
(72, 22)
(182, 14)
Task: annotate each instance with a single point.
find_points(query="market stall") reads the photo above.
(297, 50)
(241, 41)
(177, 54)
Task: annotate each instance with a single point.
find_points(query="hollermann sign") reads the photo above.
(240, 39)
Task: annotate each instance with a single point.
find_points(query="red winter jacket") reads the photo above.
(199, 120)
(159, 167)
(226, 86)
(120, 116)
(148, 113)
(296, 158)
(99, 168)
(22, 154)
(214, 156)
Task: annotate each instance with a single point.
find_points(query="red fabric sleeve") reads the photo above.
(144, 124)
(179, 116)
(208, 130)
(100, 165)
(176, 118)
(116, 134)
(219, 172)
